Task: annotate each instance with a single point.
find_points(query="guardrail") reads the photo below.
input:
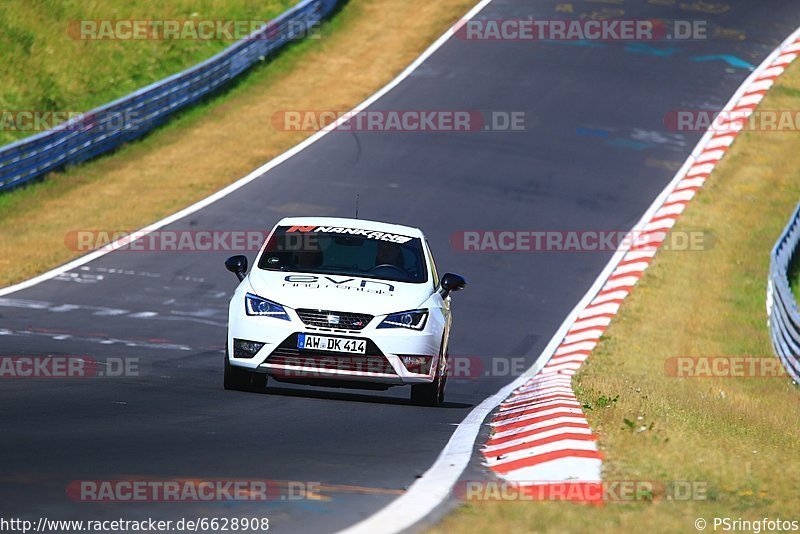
(784, 320)
(107, 127)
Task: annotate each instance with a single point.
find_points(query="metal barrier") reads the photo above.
(107, 127)
(784, 320)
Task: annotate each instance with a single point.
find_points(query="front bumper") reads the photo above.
(381, 364)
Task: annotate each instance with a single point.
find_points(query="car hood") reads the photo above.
(338, 292)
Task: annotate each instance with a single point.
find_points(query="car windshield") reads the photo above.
(345, 251)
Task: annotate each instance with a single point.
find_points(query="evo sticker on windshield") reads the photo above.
(369, 234)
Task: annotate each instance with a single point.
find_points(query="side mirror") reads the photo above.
(452, 282)
(237, 265)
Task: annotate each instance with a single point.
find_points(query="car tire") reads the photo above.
(238, 379)
(432, 394)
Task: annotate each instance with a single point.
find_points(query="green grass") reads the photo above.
(45, 68)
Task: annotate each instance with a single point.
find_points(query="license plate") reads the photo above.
(333, 344)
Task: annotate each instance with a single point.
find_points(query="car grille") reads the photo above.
(334, 319)
(288, 354)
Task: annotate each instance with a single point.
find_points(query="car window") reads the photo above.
(345, 251)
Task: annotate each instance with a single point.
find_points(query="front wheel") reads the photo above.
(432, 394)
(238, 379)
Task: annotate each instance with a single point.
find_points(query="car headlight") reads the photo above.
(413, 320)
(255, 305)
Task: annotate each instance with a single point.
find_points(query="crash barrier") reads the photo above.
(107, 127)
(784, 321)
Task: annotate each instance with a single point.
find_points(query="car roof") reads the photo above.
(362, 224)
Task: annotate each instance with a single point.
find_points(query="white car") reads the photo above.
(341, 303)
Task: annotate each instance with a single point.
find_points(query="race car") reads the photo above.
(341, 303)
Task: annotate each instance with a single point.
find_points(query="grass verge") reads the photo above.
(218, 142)
(738, 438)
(46, 67)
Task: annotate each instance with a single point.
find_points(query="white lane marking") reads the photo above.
(200, 316)
(79, 278)
(115, 270)
(96, 339)
(60, 308)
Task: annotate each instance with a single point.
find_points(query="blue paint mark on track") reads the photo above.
(592, 132)
(733, 61)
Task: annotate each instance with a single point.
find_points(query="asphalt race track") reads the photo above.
(594, 154)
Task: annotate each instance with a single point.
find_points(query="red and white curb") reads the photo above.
(540, 433)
